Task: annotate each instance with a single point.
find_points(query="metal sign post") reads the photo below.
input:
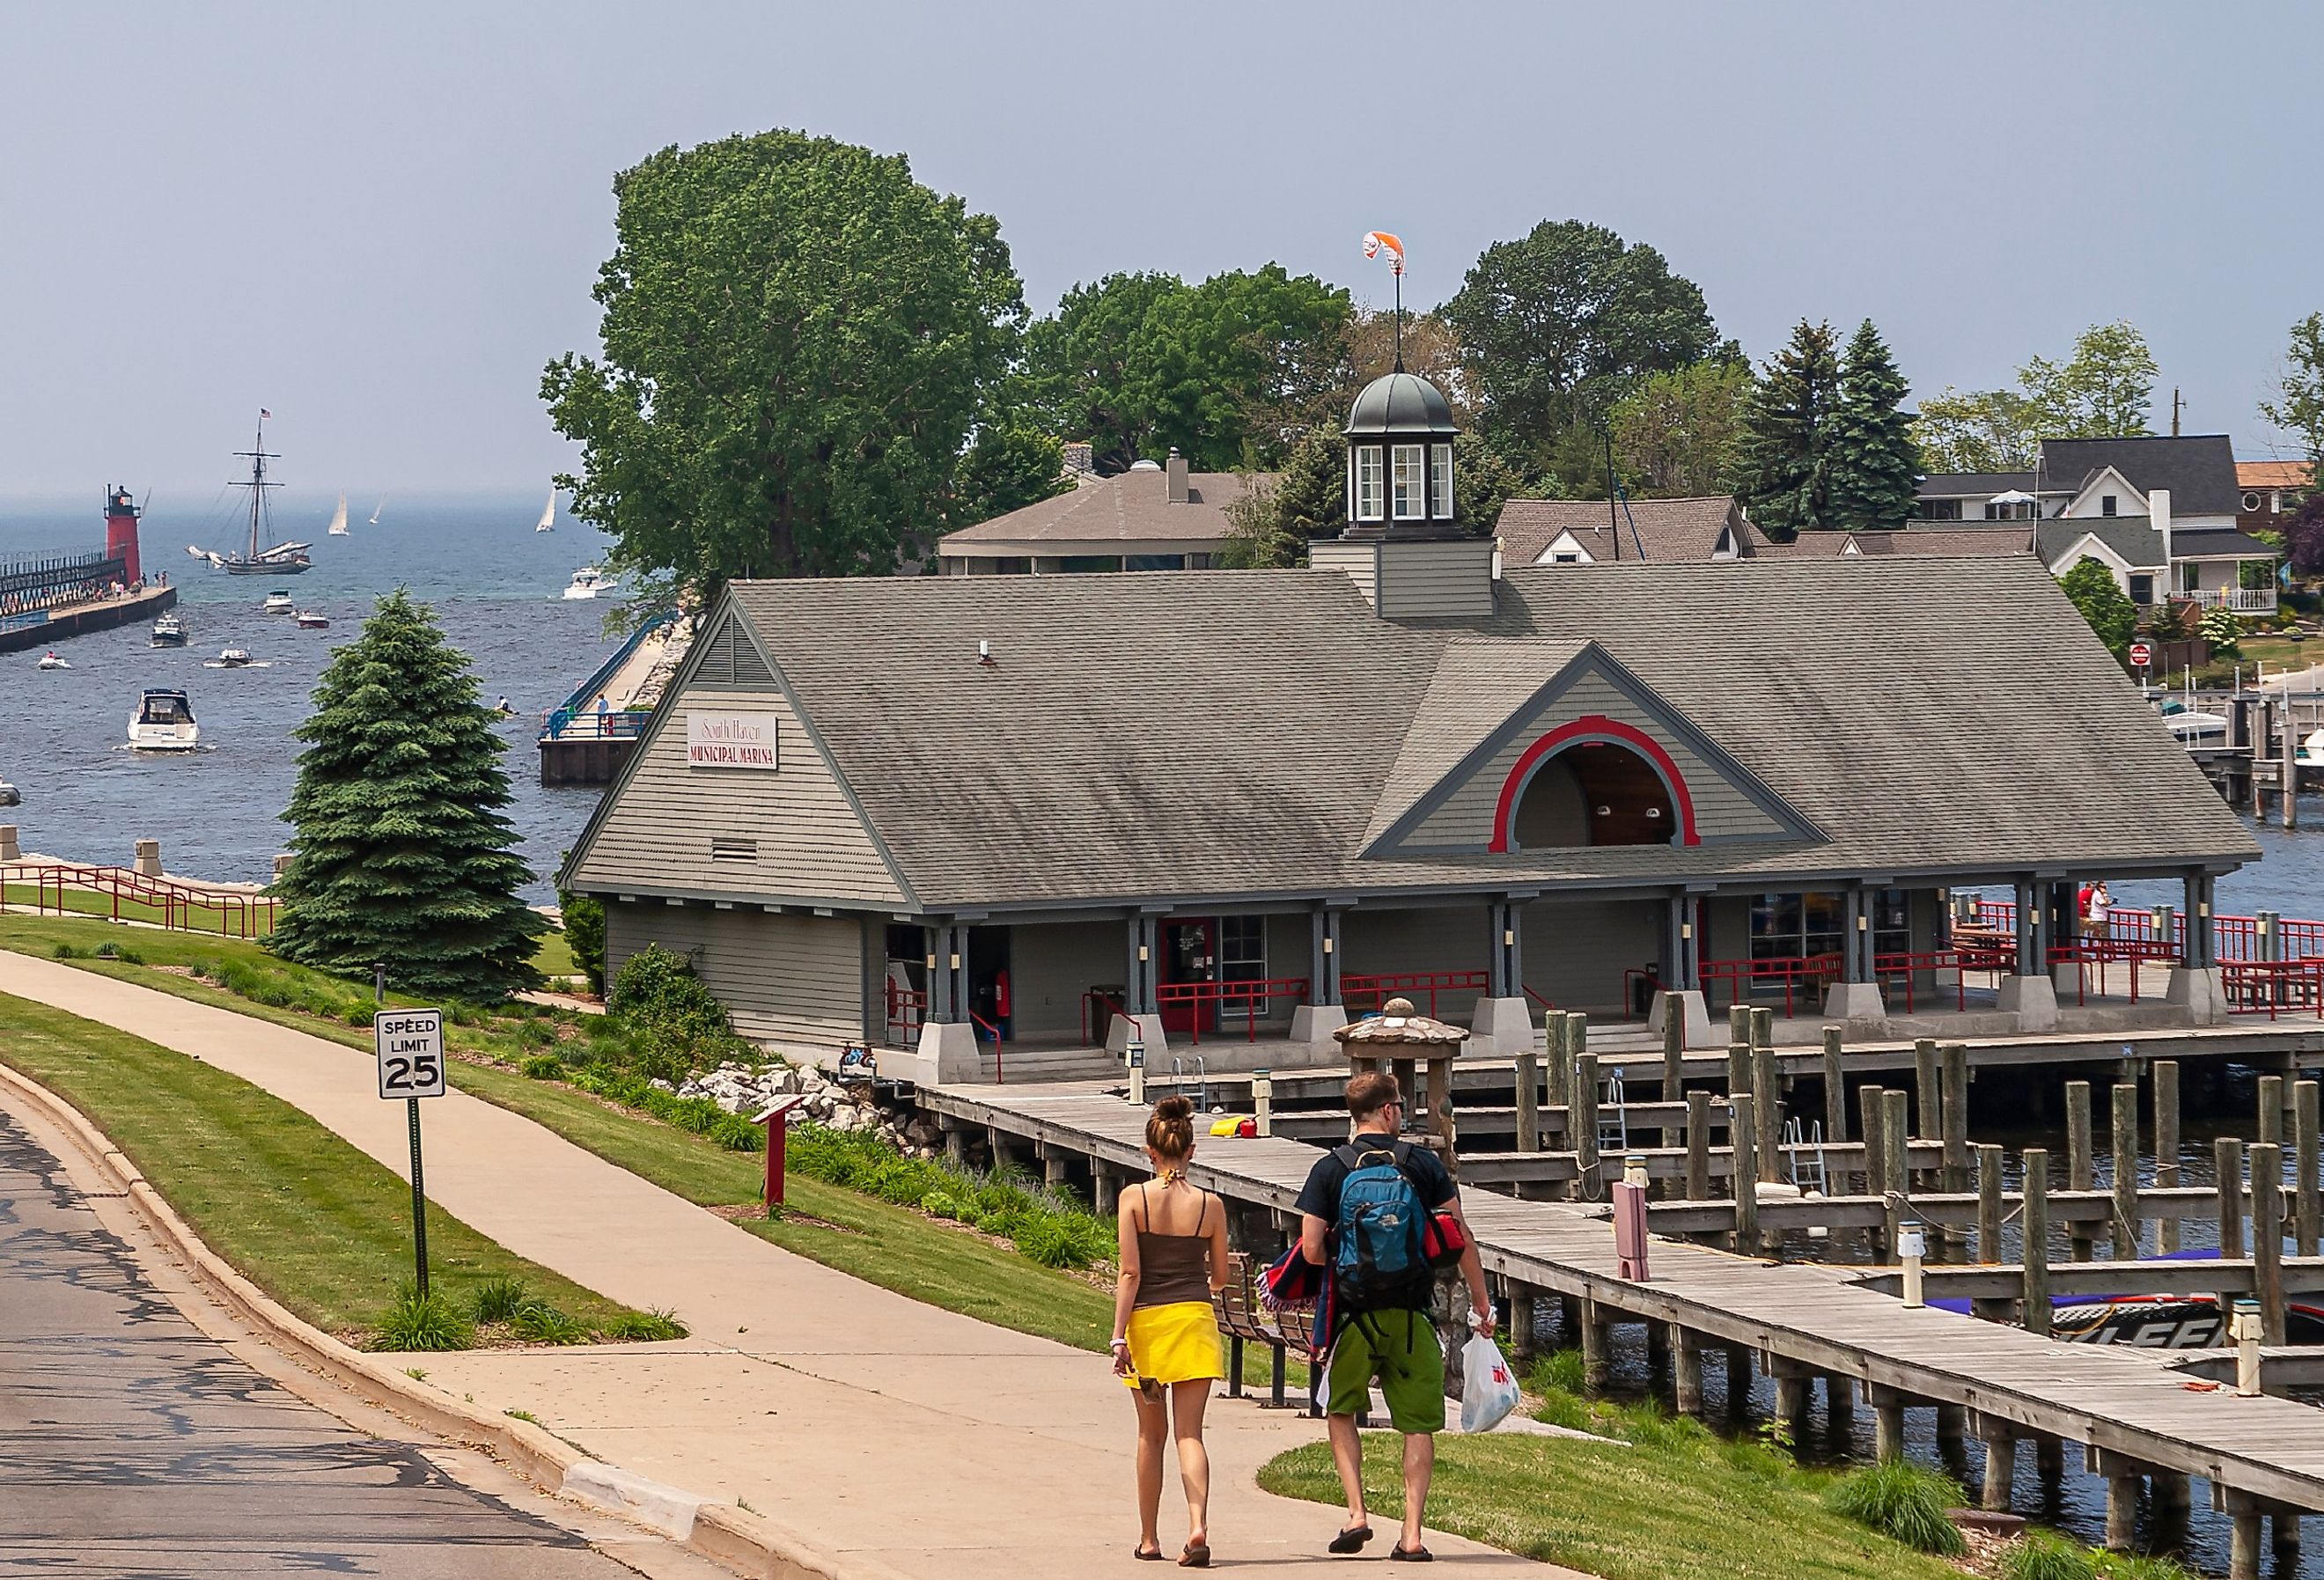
(410, 1044)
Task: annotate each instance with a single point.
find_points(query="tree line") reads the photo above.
(813, 365)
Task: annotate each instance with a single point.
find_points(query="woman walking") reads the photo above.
(1165, 1336)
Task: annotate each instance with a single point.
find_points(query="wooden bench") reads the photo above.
(1243, 1317)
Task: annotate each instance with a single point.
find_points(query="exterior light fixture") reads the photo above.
(1605, 811)
(1654, 812)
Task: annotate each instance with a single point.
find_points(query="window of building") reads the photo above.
(1941, 510)
(1154, 562)
(1440, 482)
(1075, 563)
(2190, 575)
(1411, 503)
(1565, 557)
(1364, 484)
(2142, 589)
(2250, 501)
(1006, 565)
(2106, 504)
(2018, 511)
(1242, 948)
(1802, 927)
(1595, 793)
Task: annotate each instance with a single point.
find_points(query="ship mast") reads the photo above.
(257, 455)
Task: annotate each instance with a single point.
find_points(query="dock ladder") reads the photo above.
(1803, 1149)
(1613, 1116)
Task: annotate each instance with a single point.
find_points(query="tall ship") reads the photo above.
(45, 599)
(262, 557)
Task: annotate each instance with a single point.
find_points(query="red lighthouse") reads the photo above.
(120, 513)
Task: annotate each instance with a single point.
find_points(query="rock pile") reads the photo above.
(739, 1088)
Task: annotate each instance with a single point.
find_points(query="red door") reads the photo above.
(1190, 953)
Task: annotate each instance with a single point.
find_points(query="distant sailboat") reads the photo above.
(339, 519)
(376, 509)
(548, 522)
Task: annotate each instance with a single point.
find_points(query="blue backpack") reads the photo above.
(1379, 1259)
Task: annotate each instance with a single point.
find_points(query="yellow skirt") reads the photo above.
(1177, 1342)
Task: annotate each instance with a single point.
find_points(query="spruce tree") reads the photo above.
(1876, 466)
(402, 853)
(1784, 462)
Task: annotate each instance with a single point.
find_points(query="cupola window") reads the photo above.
(1411, 504)
(1364, 462)
(1440, 482)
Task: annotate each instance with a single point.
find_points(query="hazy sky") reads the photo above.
(380, 222)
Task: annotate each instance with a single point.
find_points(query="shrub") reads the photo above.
(1901, 1501)
(2044, 1555)
(942, 1203)
(675, 1024)
(537, 1322)
(414, 1323)
(542, 1066)
(500, 1300)
(645, 1327)
(1066, 1240)
(1561, 1369)
(65, 952)
(584, 936)
(535, 1033)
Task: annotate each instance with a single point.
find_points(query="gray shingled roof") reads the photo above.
(1673, 530)
(1120, 512)
(2135, 538)
(2199, 469)
(1231, 734)
(1973, 485)
(2218, 543)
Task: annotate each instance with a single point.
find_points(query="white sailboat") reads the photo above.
(376, 509)
(339, 519)
(548, 522)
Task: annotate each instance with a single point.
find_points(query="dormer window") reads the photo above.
(2106, 504)
(1411, 503)
(1440, 482)
(1364, 462)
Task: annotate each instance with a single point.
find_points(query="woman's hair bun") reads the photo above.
(1175, 1106)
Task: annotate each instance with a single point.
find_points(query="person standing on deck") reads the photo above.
(1358, 1201)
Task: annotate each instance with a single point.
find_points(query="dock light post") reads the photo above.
(776, 1118)
(1911, 1246)
(1630, 1220)
(2245, 1328)
(1133, 1054)
(1262, 1101)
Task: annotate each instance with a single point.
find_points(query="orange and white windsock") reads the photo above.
(1376, 242)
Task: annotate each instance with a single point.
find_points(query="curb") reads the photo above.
(740, 1539)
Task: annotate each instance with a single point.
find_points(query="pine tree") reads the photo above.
(402, 853)
(1785, 462)
(1876, 466)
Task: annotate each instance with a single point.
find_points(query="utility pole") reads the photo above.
(2176, 404)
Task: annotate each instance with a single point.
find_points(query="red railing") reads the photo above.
(2100, 955)
(1908, 966)
(164, 903)
(1744, 978)
(1100, 1005)
(1250, 997)
(1379, 986)
(2273, 988)
(907, 1007)
(2302, 941)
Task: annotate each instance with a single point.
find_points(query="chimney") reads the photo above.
(1177, 470)
(2158, 511)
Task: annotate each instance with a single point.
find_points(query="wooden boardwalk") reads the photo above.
(2137, 1411)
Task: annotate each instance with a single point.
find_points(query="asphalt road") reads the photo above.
(131, 1444)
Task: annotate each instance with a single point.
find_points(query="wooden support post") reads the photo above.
(1763, 1026)
(1738, 1068)
(2166, 1143)
(2121, 1513)
(2050, 1460)
(1559, 1071)
(955, 1145)
(2307, 1208)
(1105, 1187)
(1868, 1106)
(1952, 1430)
(2284, 1536)
(1581, 1126)
(1743, 1136)
(1528, 1094)
(2000, 1441)
(1686, 1370)
(1952, 1096)
(1739, 1024)
(2227, 1160)
(2129, 1233)
(1698, 1146)
(2271, 1110)
(1887, 1420)
(1521, 1322)
(1767, 1108)
(1927, 1091)
(1593, 1345)
(2078, 1159)
(1673, 1061)
(2033, 1227)
(1835, 1089)
(1569, 1320)
(1988, 1203)
(1739, 1380)
(2267, 1238)
(1792, 1396)
(1838, 1407)
(1052, 1166)
(1894, 1184)
(2243, 1535)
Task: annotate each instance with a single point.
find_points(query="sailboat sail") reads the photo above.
(548, 523)
(339, 519)
(376, 509)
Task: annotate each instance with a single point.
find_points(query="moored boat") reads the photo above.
(164, 721)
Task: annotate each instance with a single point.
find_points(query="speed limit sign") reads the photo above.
(410, 1044)
(2142, 655)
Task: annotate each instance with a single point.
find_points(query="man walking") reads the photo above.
(1362, 1214)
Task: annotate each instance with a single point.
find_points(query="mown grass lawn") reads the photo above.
(312, 1220)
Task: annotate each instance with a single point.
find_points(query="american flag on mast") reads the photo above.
(1376, 242)
(264, 413)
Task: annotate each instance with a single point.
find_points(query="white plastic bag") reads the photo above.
(1488, 1389)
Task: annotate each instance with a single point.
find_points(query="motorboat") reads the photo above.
(2192, 728)
(169, 631)
(8, 796)
(307, 620)
(49, 661)
(278, 602)
(163, 722)
(588, 582)
(233, 658)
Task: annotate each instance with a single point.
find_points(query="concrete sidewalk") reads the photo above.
(902, 1439)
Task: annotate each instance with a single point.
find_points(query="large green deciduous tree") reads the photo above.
(1555, 326)
(2298, 407)
(1875, 468)
(402, 854)
(2103, 389)
(2091, 588)
(1784, 469)
(1979, 430)
(799, 342)
(1677, 434)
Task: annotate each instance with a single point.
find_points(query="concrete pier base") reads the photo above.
(149, 858)
(947, 1054)
(10, 851)
(1148, 1028)
(1859, 1006)
(2034, 1000)
(1503, 1028)
(1696, 1017)
(2198, 991)
(1315, 1023)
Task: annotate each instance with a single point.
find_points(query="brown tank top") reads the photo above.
(1172, 1268)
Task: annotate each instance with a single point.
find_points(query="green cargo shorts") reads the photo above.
(1400, 1349)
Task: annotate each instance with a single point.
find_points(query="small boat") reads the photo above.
(307, 620)
(169, 631)
(278, 602)
(376, 509)
(588, 582)
(49, 661)
(548, 522)
(8, 796)
(163, 722)
(233, 658)
(338, 526)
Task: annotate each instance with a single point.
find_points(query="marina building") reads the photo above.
(1008, 823)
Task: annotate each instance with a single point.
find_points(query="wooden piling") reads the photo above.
(1743, 1136)
(2267, 1238)
(2307, 1208)
(1767, 1108)
(1887, 1420)
(1739, 1380)
(1739, 1024)
(2121, 1513)
(1698, 1146)
(1763, 1026)
(1988, 1203)
(1894, 1185)
(2033, 1227)
(2227, 1159)
(2166, 1143)
(1581, 1125)
(1521, 1322)
(1835, 1088)
(1869, 1104)
(1952, 1097)
(1528, 1078)
(2078, 1158)
(1928, 1121)
(2243, 1534)
(1673, 1061)
(1838, 1407)
(1686, 1370)
(1792, 1395)
(2129, 1234)
(1738, 1068)
(2000, 1463)
(1558, 1072)
(2270, 1111)
(1593, 1345)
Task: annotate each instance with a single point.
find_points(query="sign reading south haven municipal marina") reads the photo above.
(729, 739)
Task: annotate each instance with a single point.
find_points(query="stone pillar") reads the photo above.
(10, 851)
(282, 860)
(149, 858)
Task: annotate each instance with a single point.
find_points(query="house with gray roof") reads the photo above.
(1155, 516)
(1016, 822)
(1588, 532)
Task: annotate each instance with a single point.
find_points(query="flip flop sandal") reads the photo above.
(1143, 1557)
(1195, 1557)
(1351, 1541)
(1400, 1553)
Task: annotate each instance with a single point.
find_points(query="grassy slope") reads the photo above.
(1688, 1511)
(315, 1222)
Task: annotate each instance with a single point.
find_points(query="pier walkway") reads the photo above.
(2135, 1412)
